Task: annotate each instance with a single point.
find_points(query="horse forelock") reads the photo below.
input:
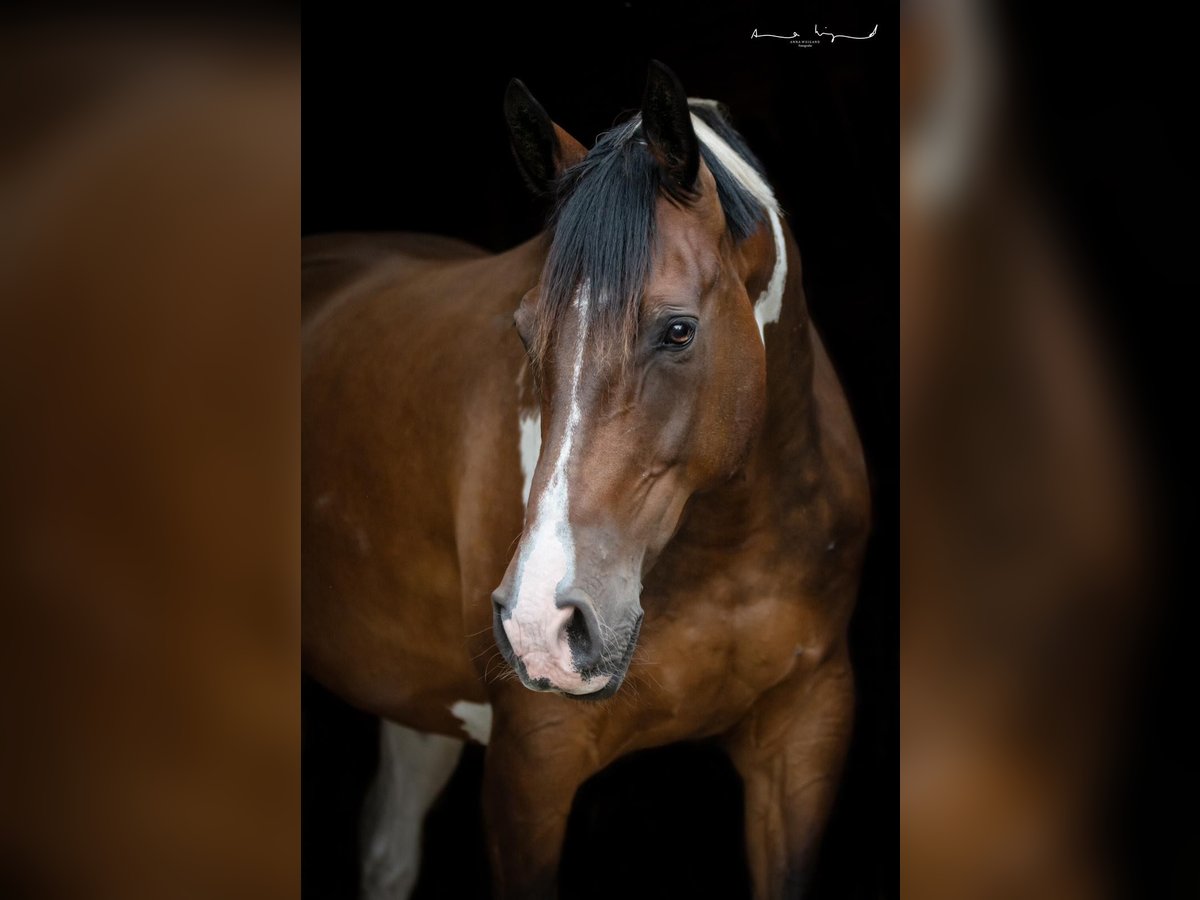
(604, 226)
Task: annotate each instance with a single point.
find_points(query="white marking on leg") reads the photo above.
(413, 769)
(769, 304)
(476, 719)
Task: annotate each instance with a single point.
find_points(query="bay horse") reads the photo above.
(598, 493)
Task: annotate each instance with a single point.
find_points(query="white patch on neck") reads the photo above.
(476, 719)
(769, 304)
(530, 424)
(733, 162)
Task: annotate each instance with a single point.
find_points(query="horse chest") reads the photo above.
(712, 655)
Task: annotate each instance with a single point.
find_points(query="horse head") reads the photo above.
(648, 361)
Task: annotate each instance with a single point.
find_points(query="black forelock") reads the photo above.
(603, 226)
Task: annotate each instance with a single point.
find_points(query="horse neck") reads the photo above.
(788, 444)
(782, 472)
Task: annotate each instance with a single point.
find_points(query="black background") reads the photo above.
(1108, 103)
(403, 130)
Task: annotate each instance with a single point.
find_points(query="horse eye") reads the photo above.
(679, 334)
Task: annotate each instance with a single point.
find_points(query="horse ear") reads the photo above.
(667, 124)
(542, 149)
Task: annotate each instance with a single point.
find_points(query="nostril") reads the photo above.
(582, 632)
(499, 603)
(579, 639)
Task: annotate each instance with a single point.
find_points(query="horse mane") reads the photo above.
(603, 225)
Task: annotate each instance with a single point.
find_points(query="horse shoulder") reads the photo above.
(402, 451)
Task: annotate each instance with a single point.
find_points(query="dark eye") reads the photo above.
(679, 334)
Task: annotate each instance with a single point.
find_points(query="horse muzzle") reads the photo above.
(563, 646)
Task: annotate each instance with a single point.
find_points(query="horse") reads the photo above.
(598, 493)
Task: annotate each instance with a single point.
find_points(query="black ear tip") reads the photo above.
(658, 71)
(515, 93)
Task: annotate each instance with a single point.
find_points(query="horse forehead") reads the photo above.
(687, 254)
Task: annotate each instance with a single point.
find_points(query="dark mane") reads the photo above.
(604, 230)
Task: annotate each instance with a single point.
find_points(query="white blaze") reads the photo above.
(770, 302)
(534, 625)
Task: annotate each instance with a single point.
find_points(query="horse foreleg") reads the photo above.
(531, 772)
(413, 769)
(789, 751)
